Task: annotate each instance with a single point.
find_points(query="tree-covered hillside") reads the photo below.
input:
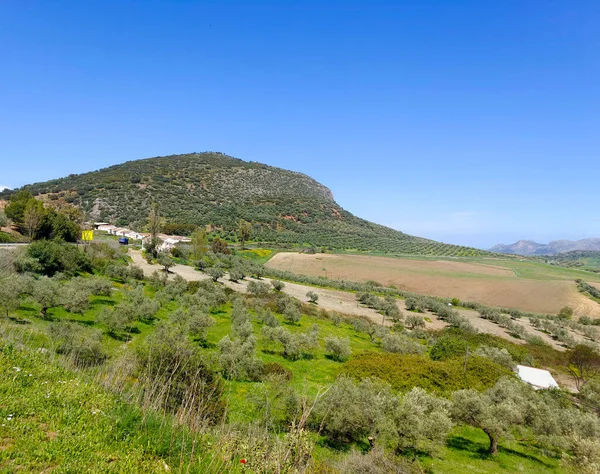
(218, 190)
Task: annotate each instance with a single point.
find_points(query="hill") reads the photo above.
(217, 190)
(529, 247)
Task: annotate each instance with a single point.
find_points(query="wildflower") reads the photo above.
(18, 369)
(243, 461)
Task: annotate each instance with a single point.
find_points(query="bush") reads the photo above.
(271, 369)
(277, 285)
(82, 346)
(404, 372)
(447, 347)
(175, 378)
(53, 257)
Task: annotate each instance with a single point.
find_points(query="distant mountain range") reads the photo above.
(529, 247)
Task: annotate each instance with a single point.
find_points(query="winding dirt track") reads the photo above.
(341, 301)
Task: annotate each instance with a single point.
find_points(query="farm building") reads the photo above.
(537, 378)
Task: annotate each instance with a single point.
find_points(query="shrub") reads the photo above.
(53, 257)
(271, 369)
(566, 312)
(174, 377)
(447, 347)
(404, 372)
(277, 285)
(82, 346)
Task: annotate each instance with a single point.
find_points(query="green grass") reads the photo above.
(466, 452)
(98, 432)
(55, 420)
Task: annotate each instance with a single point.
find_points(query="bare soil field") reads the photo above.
(345, 302)
(486, 284)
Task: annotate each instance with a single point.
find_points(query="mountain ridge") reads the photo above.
(217, 190)
(530, 247)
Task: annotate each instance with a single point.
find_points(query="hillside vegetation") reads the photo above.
(217, 190)
(104, 370)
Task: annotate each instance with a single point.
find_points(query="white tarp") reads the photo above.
(539, 378)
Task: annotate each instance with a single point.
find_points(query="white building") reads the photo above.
(537, 378)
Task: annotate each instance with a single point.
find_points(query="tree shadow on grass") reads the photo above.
(480, 451)
(270, 352)
(123, 337)
(205, 344)
(19, 320)
(85, 322)
(103, 302)
(343, 446)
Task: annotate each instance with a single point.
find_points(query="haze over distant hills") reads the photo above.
(216, 190)
(529, 247)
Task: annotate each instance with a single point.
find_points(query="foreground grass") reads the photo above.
(466, 451)
(53, 420)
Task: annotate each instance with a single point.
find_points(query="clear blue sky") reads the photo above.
(471, 122)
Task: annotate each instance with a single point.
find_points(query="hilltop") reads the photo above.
(216, 190)
(529, 247)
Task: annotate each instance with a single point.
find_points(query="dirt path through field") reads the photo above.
(487, 284)
(342, 302)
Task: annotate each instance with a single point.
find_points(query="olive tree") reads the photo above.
(291, 313)
(10, 292)
(294, 344)
(46, 293)
(238, 358)
(215, 273)
(350, 411)
(414, 321)
(420, 421)
(494, 411)
(401, 344)
(584, 362)
(338, 347)
(499, 356)
(116, 319)
(75, 296)
(312, 296)
(277, 285)
(165, 261)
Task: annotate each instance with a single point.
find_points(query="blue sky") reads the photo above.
(471, 122)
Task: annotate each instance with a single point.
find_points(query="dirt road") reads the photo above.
(342, 302)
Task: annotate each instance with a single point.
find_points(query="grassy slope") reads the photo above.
(91, 437)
